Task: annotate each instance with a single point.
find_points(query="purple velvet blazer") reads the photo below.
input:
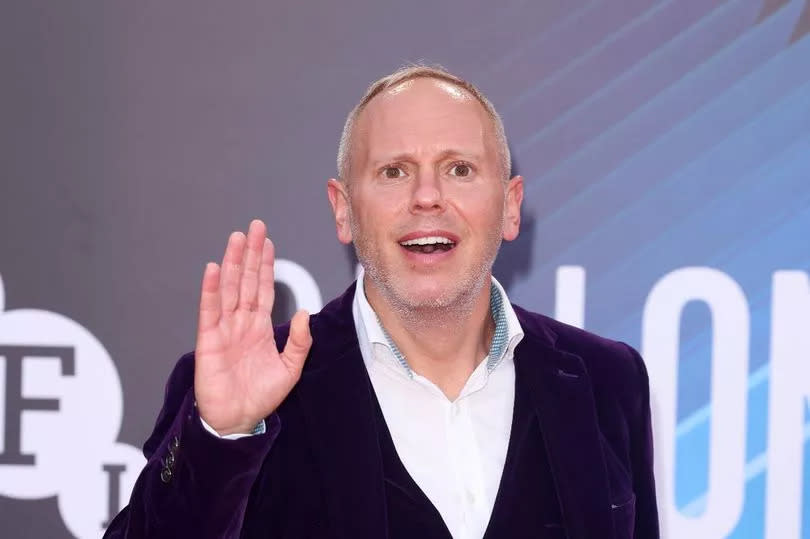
(318, 470)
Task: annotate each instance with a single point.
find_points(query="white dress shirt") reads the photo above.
(454, 450)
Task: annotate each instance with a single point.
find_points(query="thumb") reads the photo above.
(300, 339)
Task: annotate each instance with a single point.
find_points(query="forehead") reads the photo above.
(423, 115)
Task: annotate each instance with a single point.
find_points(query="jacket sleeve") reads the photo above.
(641, 449)
(194, 484)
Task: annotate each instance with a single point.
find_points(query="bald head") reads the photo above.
(416, 89)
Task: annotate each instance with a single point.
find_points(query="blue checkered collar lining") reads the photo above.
(500, 338)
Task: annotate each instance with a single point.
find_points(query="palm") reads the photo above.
(240, 376)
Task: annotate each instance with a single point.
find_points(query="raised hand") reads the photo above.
(240, 376)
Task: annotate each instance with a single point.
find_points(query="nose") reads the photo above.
(427, 195)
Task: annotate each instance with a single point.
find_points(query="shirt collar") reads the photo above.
(508, 332)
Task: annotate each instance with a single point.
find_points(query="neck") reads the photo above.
(443, 344)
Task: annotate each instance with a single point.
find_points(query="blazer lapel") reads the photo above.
(336, 397)
(564, 403)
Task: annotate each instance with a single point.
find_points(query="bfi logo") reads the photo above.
(61, 407)
(60, 413)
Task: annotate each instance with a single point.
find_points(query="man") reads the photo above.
(418, 404)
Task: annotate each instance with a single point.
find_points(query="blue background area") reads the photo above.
(686, 145)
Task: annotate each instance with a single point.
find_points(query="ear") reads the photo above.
(512, 204)
(339, 199)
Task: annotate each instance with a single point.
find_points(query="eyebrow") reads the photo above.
(443, 156)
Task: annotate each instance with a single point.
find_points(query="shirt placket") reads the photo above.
(466, 463)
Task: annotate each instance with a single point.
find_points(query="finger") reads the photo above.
(210, 306)
(231, 271)
(249, 284)
(267, 292)
(299, 341)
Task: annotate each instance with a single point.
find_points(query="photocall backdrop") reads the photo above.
(666, 151)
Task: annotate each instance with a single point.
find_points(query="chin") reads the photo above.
(410, 290)
(429, 295)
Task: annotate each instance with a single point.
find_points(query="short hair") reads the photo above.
(416, 71)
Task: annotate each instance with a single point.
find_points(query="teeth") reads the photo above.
(428, 240)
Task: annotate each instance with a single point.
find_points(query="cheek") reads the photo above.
(377, 209)
(483, 213)
(371, 222)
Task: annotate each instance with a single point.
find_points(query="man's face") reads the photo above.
(426, 204)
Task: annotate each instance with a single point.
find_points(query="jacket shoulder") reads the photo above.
(615, 368)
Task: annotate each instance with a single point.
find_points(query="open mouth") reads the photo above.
(428, 245)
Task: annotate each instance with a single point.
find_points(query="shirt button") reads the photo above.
(470, 497)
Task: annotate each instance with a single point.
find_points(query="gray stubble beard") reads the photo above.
(446, 309)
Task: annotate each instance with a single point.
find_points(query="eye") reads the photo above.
(392, 173)
(461, 170)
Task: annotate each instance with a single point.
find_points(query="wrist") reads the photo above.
(260, 428)
(243, 429)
